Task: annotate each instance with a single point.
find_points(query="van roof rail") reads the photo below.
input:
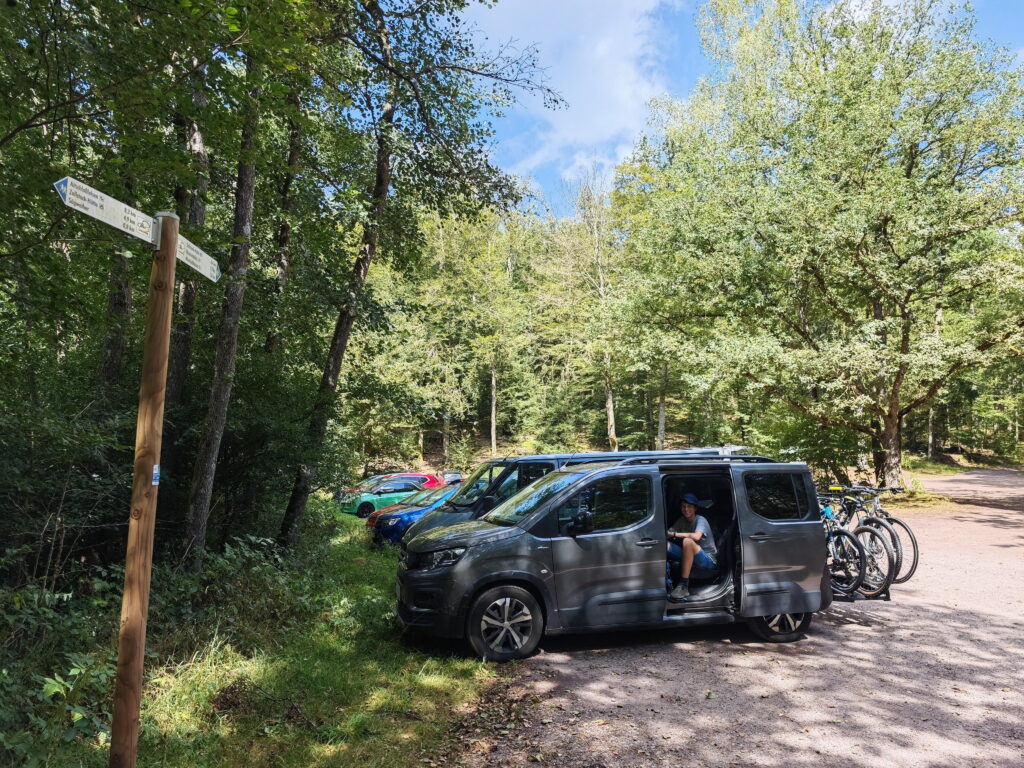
(729, 457)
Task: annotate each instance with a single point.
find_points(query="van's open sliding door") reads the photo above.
(782, 541)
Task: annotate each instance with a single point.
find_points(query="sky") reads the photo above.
(608, 59)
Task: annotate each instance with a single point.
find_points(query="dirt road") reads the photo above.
(932, 678)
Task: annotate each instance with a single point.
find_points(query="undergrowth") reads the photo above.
(259, 661)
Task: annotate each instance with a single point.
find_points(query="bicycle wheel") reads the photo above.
(847, 562)
(883, 524)
(879, 570)
(910, 550)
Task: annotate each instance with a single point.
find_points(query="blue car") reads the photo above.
(391, 527)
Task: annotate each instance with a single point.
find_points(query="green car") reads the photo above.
(361, 502)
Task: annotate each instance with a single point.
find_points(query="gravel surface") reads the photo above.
(931, 678)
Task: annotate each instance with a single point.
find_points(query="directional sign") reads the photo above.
(84, 198)
(198, 259)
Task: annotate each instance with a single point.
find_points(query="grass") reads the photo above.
(343, 688)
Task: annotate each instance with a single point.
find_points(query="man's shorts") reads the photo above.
(704, 566)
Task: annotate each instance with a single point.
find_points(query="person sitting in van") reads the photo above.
(691, 545)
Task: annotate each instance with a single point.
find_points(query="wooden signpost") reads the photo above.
(162, 233)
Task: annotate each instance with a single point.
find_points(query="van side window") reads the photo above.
(614, 502)
(530, 471)
(777, 495)
(520, 477)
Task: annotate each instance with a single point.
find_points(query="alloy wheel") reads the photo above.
(783, 623)
(506, 624)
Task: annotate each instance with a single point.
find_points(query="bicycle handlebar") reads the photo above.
(865, 489)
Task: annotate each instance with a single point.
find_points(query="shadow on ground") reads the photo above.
(872, 684)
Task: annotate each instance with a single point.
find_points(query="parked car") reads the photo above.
(391, 526)
(385, 492)
(494, 481)
(403, 504)
(584, 549)
(363, 485)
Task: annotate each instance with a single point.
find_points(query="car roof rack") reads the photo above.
(729, 457)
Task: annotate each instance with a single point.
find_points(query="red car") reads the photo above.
(425, 480)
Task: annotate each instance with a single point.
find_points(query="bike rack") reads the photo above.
(837, 598)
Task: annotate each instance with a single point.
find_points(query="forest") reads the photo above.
(816, 254)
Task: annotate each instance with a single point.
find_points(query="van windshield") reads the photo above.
(476, 484)
(517, 508)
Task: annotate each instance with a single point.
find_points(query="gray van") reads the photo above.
(584, 549)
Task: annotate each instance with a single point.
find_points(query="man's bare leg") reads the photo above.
(690, 550)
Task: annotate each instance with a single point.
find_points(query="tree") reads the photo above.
(419, 103)
(855, 166)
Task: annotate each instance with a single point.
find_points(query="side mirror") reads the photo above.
(583, 522)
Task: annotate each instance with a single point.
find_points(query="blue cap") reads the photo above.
(689, 498)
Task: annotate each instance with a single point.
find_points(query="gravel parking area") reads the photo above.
(933, 677)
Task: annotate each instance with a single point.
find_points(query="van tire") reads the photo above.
(782, 628)
(365, 509)
(505, 623)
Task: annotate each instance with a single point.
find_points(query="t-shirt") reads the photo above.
(707, 542)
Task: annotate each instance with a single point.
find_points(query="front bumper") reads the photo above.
(423, 602)
(391, 533)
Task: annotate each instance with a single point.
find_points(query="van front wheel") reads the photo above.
(781, 628)
(505, 623)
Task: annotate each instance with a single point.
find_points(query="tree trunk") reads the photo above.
(327, 392)
(325, 397)
(283, 238)
(609, 404)
(494, 411)
(889, 470)
(119, 305)
(181, 341)
(191, 208)
(191, 205)
(931, 433)
(203, 474)
(662, 393)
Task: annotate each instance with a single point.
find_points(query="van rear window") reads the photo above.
(777, 495)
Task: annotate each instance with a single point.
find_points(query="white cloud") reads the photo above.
(605, 58)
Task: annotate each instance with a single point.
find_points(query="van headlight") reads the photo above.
(444, 557)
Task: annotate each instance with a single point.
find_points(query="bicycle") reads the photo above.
(908, 541)
(881, 559)
(903, 538)
(847, 559)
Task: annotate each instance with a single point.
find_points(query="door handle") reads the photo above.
(760, 537)
(647, 542)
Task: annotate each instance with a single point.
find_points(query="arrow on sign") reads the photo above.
(91, 201)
